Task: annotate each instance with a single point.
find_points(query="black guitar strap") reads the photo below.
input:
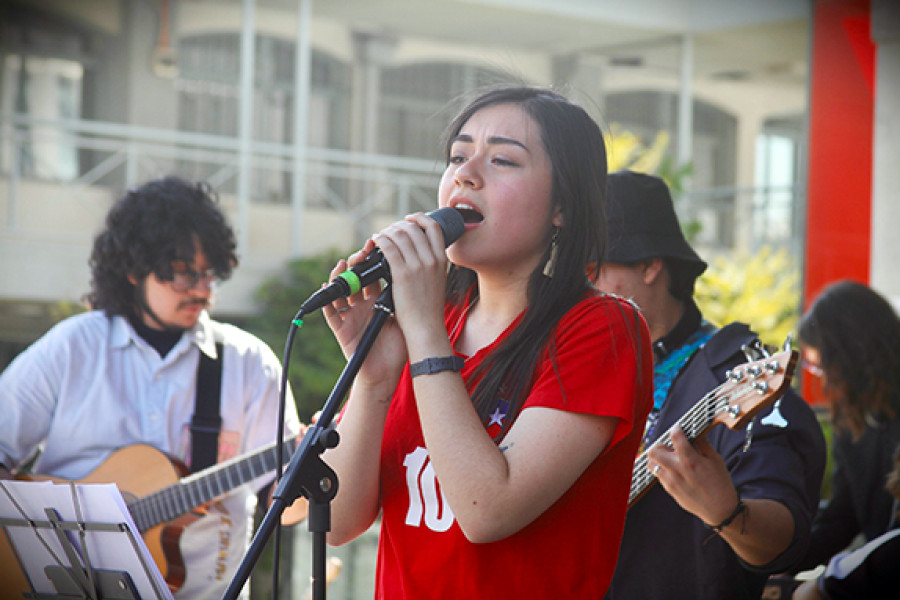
(207, 421)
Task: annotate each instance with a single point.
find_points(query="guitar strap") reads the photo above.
(207, 420)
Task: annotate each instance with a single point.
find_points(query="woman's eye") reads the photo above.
(456, 159)
(505, 162)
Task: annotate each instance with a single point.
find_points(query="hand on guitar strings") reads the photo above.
(695, 476)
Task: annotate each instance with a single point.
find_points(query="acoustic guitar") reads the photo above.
(747, 389)
(163, 499)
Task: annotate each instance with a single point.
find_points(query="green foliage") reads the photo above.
(65, 309)
(625, 150)
(762, 290)
(316, 359)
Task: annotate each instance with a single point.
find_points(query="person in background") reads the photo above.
(869, 571)
(494, 422)
(727, 513)
(126, 373)
(850, 337)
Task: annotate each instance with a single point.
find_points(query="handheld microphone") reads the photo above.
(375, 267)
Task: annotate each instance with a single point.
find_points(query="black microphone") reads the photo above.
(375, 267)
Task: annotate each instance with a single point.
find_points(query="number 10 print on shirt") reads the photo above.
(425, 500)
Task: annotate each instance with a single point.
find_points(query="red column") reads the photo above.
(839, 189)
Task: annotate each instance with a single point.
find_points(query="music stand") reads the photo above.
(72, 542)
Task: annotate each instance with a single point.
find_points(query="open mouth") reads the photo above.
(469, 214)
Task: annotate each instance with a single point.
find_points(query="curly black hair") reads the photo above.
(148, 229)
(857, 334)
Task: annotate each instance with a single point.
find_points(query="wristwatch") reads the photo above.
(436, 364)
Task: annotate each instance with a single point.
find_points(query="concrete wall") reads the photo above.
(886, 152)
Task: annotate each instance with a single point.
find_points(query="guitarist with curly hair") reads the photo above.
(116, 393)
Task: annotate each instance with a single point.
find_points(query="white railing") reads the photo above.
(58, 177)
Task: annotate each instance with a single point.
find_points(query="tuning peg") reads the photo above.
(760, 386)
(787, 342)
(734, 374)
(755, 351)
(751, 353)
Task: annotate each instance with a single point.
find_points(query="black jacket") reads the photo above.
(666, 552)
(859, 502)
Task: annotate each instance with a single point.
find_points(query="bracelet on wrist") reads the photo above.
(436, 364)
(741, 507)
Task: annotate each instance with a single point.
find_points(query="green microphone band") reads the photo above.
(352, 280)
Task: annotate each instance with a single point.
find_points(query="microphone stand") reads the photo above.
(307, 474)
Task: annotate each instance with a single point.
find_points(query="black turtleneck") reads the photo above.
(162, 340)
(687, 324)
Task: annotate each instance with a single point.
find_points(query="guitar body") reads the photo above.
(14, 582)
(163, 499)
(139, 471)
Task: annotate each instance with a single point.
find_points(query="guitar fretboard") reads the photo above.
(197, 489)
(746, 390)
(694, 423)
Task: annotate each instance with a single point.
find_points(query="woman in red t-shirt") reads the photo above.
(495, 421)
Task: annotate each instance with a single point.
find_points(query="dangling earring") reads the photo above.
(554, 251)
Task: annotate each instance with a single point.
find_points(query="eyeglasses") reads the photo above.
(187, 279)
(812, 368)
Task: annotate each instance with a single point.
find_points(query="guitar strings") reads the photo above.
(694, 422)
(697, 419)
(178, 499)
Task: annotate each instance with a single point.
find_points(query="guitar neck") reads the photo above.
(747, 389)
(201, 487)
(694, 423)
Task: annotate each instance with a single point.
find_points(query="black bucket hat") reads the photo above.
(641, 222)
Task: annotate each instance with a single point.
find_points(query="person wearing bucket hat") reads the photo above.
(726, 514)
(641, 223)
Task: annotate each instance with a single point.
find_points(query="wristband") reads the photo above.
(741, 507)
(436, 364)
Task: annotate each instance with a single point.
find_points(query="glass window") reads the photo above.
(209, 102)
(419, 100)
(777, 167)
(46, 89)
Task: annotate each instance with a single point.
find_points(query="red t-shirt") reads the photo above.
(603, 367)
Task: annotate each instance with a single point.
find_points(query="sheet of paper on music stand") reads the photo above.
(99, 503)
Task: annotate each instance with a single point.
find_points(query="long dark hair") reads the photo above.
(574, 144)
(857, 334)
(146, 230)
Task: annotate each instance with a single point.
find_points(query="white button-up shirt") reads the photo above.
(91, 385)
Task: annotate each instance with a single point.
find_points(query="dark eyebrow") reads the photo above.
(495, 139)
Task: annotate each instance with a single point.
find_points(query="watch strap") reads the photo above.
(436, 364)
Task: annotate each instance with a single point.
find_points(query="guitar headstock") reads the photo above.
(752, 386)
